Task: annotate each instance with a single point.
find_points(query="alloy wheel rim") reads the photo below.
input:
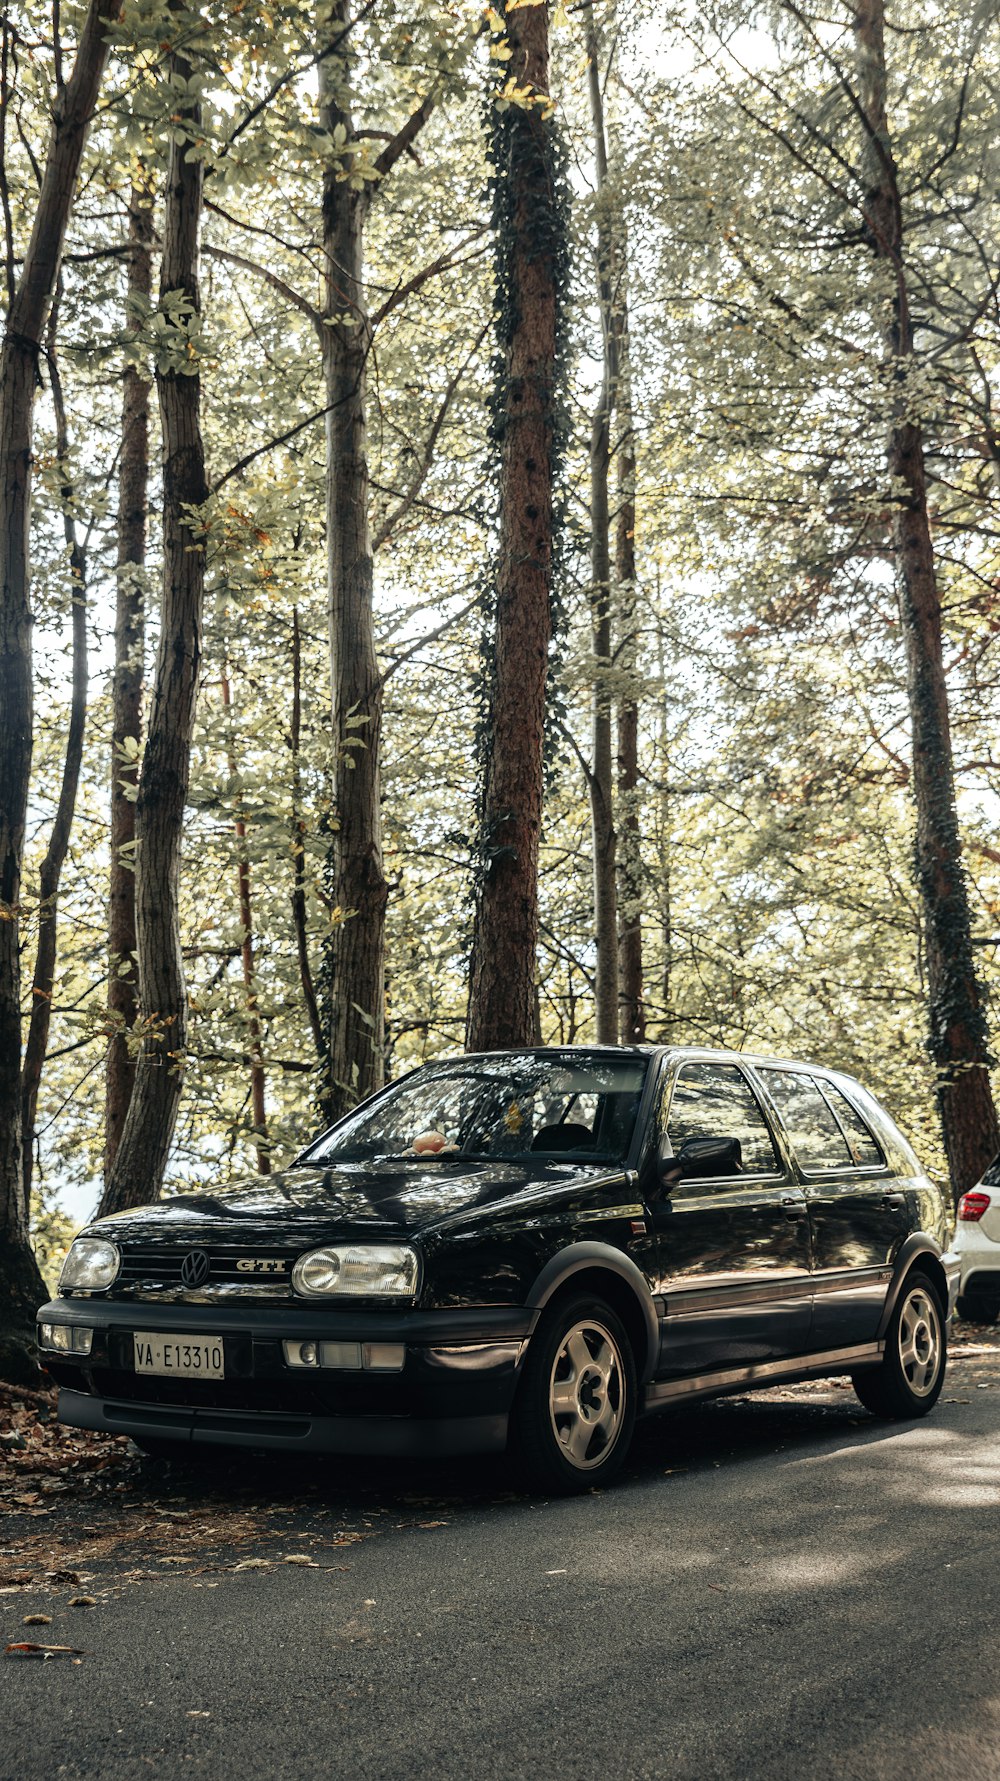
(920, 1342)
(587, 1394)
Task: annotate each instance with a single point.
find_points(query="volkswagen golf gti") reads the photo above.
(523, 1248)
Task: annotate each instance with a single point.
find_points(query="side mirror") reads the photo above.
(699, 1157)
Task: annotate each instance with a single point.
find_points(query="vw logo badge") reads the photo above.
(194, 1268)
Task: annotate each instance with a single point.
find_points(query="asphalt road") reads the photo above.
(778, 1589)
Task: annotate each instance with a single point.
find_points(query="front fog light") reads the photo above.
(301, 1354)
(347, 1357)
(66, 1338)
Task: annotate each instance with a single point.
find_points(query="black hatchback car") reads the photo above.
(529, 1248)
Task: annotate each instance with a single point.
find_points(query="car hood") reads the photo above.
(372, 1199)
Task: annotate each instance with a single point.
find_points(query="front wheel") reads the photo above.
(575, 1408)
(908, 1382)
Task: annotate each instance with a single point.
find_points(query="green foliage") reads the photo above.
(774, 798)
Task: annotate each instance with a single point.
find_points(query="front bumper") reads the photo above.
(452, 1395)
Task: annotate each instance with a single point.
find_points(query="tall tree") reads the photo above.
(631, 876)
(958, 1035)
(601, 775)
(529, 224)
(50, 870)
(126, 690)
(354, 966)
(30, 300)
(137, 1172)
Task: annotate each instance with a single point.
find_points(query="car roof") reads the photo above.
(759, 1059)
(724, 1055)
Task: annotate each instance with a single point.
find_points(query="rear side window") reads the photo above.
(816, 1137)
(716, 1101)
(864, 1150)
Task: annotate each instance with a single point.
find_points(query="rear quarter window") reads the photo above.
(813, 1132)
(865, 1149)
(899, 1152)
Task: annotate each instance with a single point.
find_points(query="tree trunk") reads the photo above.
(137, 1173)
(50, 871)
(666, 910)
(126, 707)
(255, 1035)
(601, 778)
(529, 226)
(21, 1285)
(632, 999)
(299, 908)
(958, 1037)
(354, 965)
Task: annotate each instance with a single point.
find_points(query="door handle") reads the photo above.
(793, 1206)
(895, 1200)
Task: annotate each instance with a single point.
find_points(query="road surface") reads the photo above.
(779, 1588)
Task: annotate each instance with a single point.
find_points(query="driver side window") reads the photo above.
(716, 1101)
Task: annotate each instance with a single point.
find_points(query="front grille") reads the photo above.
(163, 1267)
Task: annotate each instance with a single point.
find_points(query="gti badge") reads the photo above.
(253, 1264)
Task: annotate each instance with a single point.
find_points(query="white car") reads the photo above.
(977, 1243)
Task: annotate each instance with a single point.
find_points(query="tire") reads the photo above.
(978, 1307)
(908, 1382)
(575, 1409)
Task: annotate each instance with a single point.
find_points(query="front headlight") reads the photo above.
(358, 1271)
(91, 1264)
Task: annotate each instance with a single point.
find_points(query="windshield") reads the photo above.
(576, 1105)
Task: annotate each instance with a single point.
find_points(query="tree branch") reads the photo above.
(290, 295)
(392, 520)
(443, 263)
(403, 138)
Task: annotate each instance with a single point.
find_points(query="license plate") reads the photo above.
(179, 1357)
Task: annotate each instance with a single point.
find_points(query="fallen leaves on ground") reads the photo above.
(42, 1458)
(24, 1649)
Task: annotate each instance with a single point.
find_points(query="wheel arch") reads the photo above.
(614, 1277)
(920, 1251)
